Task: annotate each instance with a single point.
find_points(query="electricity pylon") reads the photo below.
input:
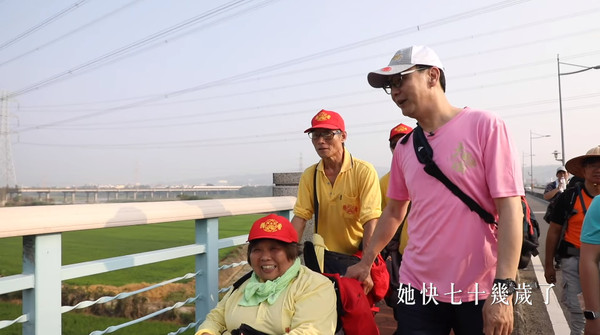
(7, 168)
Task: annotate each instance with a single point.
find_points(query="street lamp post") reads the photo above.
(562, 134)
(531, 138)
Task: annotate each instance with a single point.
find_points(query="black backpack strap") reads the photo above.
(581, 199)
(240, 281)
(404, 138)
(315, 199)
(310, 257)
(424, 154)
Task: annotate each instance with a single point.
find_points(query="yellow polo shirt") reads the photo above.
(384, 183)
(306, 306)
(345, 206)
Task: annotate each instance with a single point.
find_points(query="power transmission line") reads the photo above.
(43, 24)
(124, 124)
(304, 70)
(249, 139)
(104, 59)
(78, 29)
(453, 18)
(469, 37)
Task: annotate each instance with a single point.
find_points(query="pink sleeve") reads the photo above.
(501, 159)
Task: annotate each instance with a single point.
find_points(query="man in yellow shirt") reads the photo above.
(347, 189)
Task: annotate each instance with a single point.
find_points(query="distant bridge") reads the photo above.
(114, 193)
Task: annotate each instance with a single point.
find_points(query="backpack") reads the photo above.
(549, 210)
(424, 154)
(550, 207)
(573, 192)
(573, 182)
(531, 233)
(381, 281)
(353, 308)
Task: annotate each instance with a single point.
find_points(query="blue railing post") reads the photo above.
(207, 280)
(42, 258)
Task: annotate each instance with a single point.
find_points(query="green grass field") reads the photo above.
(89, 245)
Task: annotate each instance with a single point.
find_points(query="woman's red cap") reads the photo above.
(274, 227)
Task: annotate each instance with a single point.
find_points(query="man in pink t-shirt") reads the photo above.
(454, 261)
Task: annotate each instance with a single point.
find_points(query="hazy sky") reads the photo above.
(113, 92)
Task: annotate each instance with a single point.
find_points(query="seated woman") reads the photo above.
(282, 296)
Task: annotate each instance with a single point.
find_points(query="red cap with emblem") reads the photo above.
(400, 129)
(327, 120)
(274, 227)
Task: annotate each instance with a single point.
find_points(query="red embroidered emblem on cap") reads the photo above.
(270, 226)
(386, 69)
(322, 116)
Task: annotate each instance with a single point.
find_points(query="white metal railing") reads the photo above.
(42, 226)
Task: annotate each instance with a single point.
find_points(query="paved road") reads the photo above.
(538, 206)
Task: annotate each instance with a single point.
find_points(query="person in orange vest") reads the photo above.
(570, 209)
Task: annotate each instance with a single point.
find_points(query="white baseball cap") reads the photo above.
(403, 60)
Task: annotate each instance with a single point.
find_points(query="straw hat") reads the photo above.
(575, 165)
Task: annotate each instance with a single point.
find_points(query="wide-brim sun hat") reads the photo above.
(327, 120)
(575, 165)
(274, 227)
(403, 60)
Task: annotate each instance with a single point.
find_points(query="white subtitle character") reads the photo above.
(452, 293)
(406, 294)
(429, 294)
(523, 294)
(546, 299)
(477, 293)
(499, 293)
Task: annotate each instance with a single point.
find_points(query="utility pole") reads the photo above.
(562, 134)
(7, 168)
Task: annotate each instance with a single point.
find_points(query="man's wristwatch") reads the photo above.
(509, 284)
(591, 315)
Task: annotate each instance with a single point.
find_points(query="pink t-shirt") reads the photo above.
(450, 248)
